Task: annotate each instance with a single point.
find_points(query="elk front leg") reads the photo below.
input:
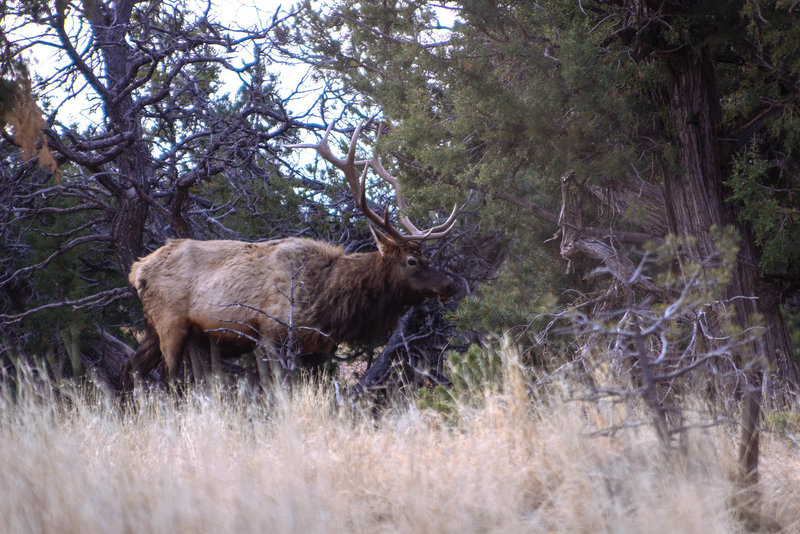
(267, 358)
(216, 358)
(199, 357)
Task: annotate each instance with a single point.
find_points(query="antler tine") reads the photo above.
(350, 163)
(441, 230)
(351, 152)
(361, 199)
(358, 187)
(322, 147)
(415, 234)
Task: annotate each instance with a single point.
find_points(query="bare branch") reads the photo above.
(98, 300)
(64, 248)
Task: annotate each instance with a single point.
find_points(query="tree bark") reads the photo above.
(695, 204)
(134, 163)
(379, 370)
(639, 202)
(574, 241)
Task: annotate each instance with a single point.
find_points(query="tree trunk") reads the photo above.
(127, 230)
(134, 163)
(695, 204)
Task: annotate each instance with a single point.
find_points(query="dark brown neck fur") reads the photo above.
(355, 303)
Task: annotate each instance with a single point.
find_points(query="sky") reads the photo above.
(44, 61)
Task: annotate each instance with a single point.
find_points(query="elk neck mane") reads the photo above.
(356, 301)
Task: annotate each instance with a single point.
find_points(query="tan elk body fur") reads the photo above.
(233, 293)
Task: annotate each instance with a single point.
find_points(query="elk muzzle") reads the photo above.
(447, 289)
(435, 284)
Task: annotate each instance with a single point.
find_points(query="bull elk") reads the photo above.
(236, 295)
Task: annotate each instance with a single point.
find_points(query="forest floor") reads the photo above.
(225, 460)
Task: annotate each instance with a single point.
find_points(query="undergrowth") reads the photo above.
(505, 458)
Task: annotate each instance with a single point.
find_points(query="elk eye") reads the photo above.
(412, 261)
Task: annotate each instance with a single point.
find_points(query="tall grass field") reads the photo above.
(226, 460)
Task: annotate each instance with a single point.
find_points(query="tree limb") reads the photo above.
(103, 298)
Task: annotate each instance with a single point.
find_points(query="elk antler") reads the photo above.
(359, 190)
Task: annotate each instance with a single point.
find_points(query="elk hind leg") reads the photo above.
(216, 358)
(173, 343)
(145, 359)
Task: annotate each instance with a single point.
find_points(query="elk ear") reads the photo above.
(384, 242)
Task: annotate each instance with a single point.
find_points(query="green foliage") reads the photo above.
(473, 374)
(773, 210)
(782, 423)
(509, 303)
(522, 91)
(475, 370)
(713, 275)
(45, 223)
(760, 108)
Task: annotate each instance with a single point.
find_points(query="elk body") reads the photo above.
(299, 294)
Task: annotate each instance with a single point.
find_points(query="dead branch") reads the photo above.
(98, 300)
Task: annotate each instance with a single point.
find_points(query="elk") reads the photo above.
(309, 293)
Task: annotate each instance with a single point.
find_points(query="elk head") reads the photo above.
(406, 267)
(408, 272)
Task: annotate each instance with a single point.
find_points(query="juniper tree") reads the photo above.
(612, 123)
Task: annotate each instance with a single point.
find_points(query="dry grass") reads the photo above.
(226, 462)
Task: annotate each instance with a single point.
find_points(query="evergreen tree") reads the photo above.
(614, 123)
